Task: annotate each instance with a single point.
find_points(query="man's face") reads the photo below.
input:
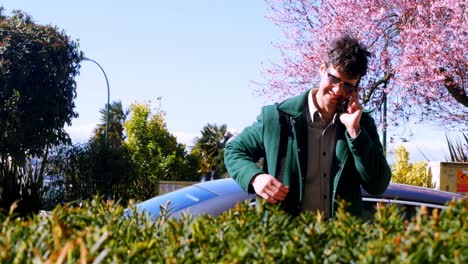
(335, 87)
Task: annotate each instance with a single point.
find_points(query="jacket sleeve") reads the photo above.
(242, 153)
(369, 159)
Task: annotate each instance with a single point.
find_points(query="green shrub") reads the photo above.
(410, 173)
(98, 233)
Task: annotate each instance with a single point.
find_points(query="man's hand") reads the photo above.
(269, 188)
(352, 116)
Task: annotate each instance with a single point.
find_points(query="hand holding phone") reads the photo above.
(343, 108)
(352, 117)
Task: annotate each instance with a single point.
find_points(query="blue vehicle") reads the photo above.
(215, 197)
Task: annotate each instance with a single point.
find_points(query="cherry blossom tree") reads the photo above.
(419, 53)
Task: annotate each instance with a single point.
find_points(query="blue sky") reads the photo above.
(199, 56)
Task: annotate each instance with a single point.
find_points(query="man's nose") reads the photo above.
(338, 88)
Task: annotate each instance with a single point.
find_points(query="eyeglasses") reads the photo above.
(348, 88)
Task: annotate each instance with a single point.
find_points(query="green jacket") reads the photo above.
(357, 162)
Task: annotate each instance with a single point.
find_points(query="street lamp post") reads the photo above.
(108, 96)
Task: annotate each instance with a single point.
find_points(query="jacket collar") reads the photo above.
(296, 105)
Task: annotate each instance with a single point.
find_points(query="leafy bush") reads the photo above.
(38, 67)
(83, 170)
(98, 232)
(37, 86)
(23, 184)
(155, 151)
(407, 173)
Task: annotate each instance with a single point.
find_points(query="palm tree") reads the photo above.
(210, 148)
(117, 117)
(457, 149)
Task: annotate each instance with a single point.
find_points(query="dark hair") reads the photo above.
(348, 56)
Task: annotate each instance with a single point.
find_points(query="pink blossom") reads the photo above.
(421, 43)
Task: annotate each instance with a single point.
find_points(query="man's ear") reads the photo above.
(323, 68)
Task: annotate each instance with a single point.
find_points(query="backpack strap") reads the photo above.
(275, 115)
(283, 143)
(271, 117)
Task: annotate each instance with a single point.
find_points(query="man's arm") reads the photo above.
(240, 157)
(369, 159)
(363, 141)
(242, 153)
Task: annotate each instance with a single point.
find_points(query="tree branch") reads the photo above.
(307, 15)
(458, 93)
(374, 87)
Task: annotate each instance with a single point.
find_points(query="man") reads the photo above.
(316, 149)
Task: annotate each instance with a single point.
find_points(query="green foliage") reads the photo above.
(209, 148)
(98, 233)
(458, 150)
(154, 150)
(24, 185)
(117, 117)
(412, 174)
(37, 86)
(83, 171)
(120, 169)
(38, 65)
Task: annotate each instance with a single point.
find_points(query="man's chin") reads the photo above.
(335, 101)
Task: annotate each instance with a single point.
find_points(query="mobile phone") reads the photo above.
(343, 108)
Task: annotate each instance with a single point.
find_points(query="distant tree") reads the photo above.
(154, 150)
(210, 148)
(419, 52)
(38, 65)
(37, 86)
(68, 170)
(84, 170)
(407, 173)
(117, 117)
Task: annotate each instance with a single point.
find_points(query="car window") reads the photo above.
(179, 199)
(409, 208)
